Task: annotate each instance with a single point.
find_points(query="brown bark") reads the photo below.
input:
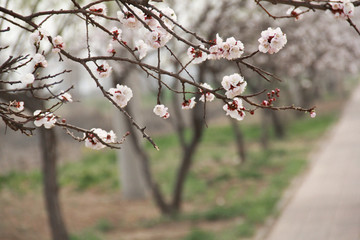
(48, 145)
(239, 138)
(187, 158)
(279, 128)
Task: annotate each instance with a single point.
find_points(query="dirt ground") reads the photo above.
(24, 217)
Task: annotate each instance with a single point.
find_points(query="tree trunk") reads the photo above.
(264, 129)
(188, 156)
(278, 125)
(51, 189)
(239, 138)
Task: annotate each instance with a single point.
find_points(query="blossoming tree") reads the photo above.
(139, 27)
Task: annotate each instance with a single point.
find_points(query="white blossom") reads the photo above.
(116, 33)
(272, 40)
(121, 95)
(198, 55)
(58, 44)
(104, 70)
(313, 114)
(235, 109)
(111, 49)
(188, 104)
(99, 8)
(91, 141)
(234, 85)
(19, 105)
(40, 60)
(129, 19)
(230, 49)
(157, 38)
(66, 97)
(168, 12)
(37, 36)
(27, 78)
(47, 119)
(209, 96)
(216, 51)
(161, 111)
(343, 9)
(142, 48)
(151, 21)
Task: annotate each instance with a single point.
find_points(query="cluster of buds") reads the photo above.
(343, 9)
(271, 97)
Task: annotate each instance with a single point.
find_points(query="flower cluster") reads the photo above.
(58, 44)
(65, 97)
(117, 33)
(207, 96)
(155, 35)
(161, 111)
(91, 141)
(128, 19)
(47, 119)
(343, 9)
(235, 109)
(234, 85)
(230, 49)
(272, 40)
(18, 105)
(142, 48)
(188, 104)
(121, 95)
(99, 8)
(40, 61)
(104, 70)
(197, 54)
(37, 36)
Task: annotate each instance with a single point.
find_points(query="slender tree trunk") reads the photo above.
(145, 166)
(240, 143)
(278, 125)
(264, 130)
(51, 189)
(188, 156)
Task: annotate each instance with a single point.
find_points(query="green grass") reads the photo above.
(21, 182)
(104, 226)
(95, 169)
(198, 234)
(85, 235)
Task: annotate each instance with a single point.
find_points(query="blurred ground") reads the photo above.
(221, 197)
(327, 205)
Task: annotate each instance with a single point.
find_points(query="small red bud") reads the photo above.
(63, 120)
(252, 112)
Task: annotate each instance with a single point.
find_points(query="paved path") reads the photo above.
(327, 204)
